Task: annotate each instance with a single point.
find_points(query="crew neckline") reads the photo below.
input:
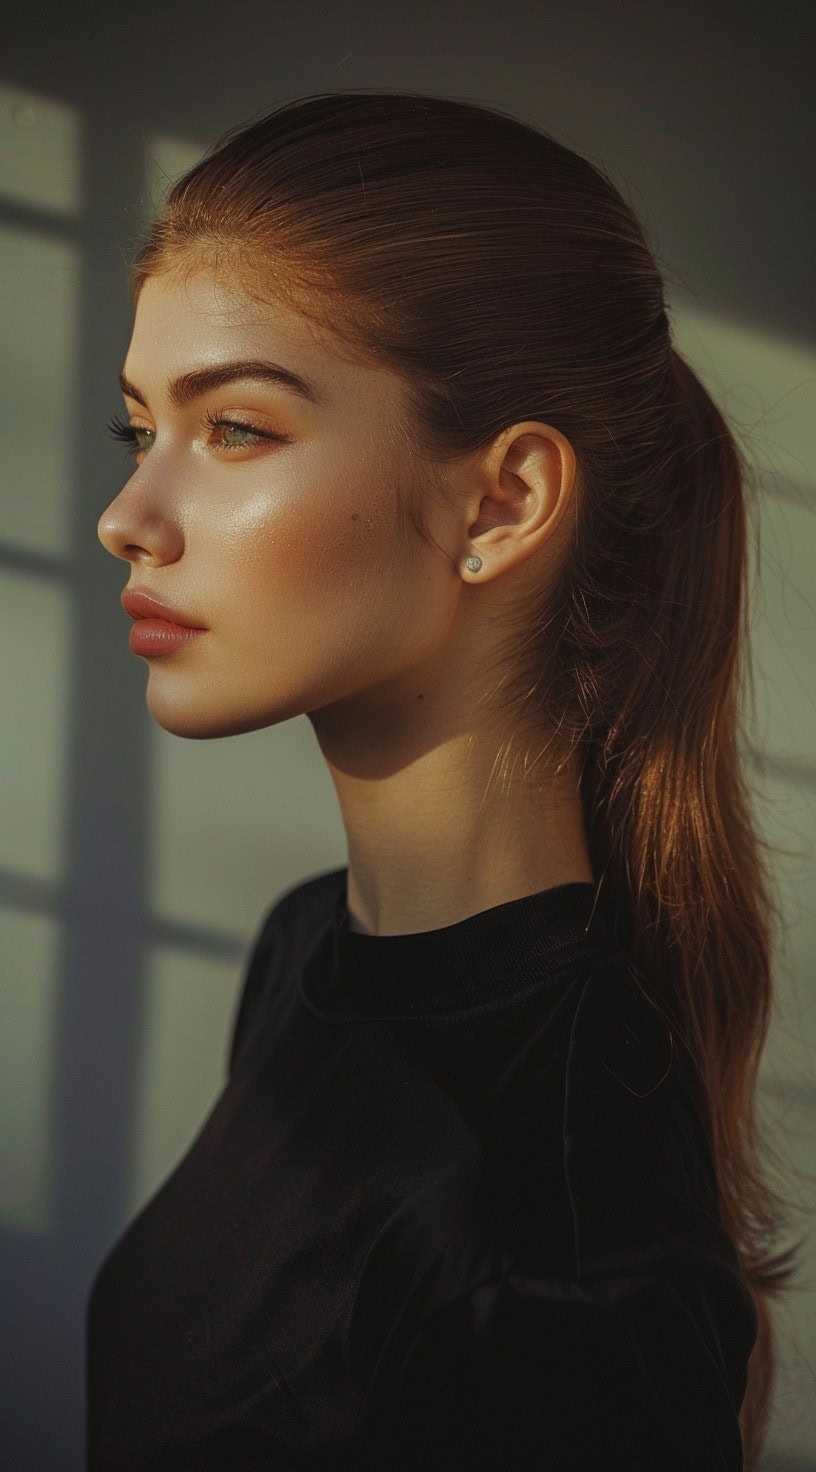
(487, 960)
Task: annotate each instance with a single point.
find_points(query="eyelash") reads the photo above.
(128, 433)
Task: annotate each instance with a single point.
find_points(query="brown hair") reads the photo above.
(505, 278)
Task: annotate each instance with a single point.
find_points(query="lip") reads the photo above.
(144, 605)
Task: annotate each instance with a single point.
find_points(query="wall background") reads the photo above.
(135, 866)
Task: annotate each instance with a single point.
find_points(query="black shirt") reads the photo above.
(454, 1208)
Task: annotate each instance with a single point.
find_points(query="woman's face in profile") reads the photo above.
(286, 550)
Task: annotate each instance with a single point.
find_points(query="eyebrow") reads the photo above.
(183, 390)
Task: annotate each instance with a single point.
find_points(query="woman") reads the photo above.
(481, 1189)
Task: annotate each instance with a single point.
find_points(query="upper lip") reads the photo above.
(144, 605)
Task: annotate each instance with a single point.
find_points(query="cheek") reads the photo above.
(323, 557)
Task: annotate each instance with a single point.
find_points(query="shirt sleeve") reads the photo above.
(526, 1375)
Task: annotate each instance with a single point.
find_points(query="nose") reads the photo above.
(117, 533)
(129, 531)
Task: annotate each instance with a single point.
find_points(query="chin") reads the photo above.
(205, 721)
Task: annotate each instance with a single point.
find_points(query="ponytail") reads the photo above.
(658, 664)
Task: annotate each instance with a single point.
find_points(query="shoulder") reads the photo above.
(644, 1340)
(618, 1029)
(637, 1157)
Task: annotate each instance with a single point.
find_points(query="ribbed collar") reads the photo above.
(484, 961)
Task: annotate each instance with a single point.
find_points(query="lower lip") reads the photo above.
(154, 636)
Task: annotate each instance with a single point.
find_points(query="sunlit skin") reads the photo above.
(316, 602)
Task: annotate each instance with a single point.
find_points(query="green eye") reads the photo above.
(215, 422)
(233, 429)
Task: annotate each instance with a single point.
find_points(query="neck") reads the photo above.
(437, 840)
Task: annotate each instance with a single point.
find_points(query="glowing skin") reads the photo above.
(317, 603)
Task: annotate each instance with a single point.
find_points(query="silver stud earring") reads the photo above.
(473, 564)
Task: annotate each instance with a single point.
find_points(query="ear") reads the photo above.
(516, 496)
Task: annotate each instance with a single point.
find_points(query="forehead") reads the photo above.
(204, 307)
